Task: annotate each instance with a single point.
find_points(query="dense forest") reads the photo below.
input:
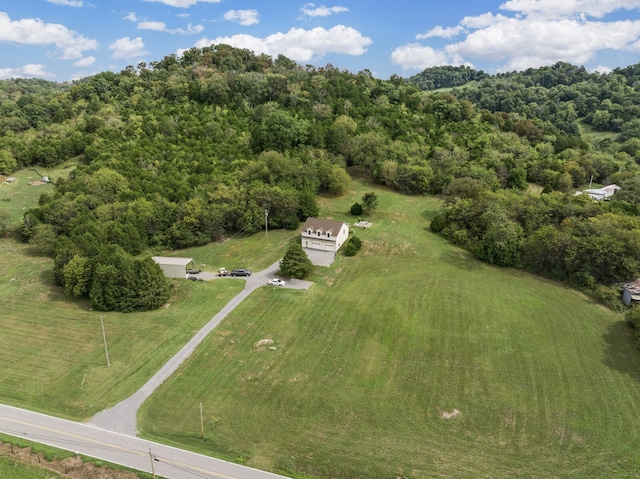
(190, 149)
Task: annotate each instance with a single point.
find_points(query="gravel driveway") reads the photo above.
(122, 417)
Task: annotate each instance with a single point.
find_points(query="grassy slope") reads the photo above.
(51, 346)
(16, 470)
(367, 360)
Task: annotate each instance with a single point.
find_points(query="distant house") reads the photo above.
(173, 267)
(631, 292)
(599, 194)
(321, 239)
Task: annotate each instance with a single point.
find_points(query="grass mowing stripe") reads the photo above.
(368, 360)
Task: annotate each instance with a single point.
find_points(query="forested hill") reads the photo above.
(563, 95)
(186, 150)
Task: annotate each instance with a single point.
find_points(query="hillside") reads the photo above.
(183, 156)
(191, 149)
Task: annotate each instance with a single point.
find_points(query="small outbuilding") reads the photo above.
(631, 292)
(173, 267)
(599, 194)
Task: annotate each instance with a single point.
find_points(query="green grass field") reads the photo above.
(369, 362)
(19, 196)
(366, 364)
(51, 346)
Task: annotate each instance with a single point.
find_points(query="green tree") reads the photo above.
(369, 203)
(338, 180)
(4, 221)
(295, 262)
(8, 163)
(77, 276)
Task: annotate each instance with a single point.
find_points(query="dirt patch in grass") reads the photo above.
(449, 414)
(72, 467)
(36, 183)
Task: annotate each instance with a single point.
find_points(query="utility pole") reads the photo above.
(266, 222)
(104, 338)
(201, 422)
(153, 469)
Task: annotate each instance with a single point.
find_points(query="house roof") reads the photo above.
(173, 261)
(633, 287)
(317, 224)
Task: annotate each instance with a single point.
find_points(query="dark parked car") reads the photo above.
(194, 271)
(194, 278)
(240, 272)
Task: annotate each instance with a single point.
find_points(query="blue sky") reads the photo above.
(62, 40)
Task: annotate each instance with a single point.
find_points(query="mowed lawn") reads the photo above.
(413, 360)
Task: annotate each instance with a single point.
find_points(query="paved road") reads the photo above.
(122, 417)
(129, 451)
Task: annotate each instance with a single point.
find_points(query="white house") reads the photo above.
(173, 267)
(321, 239)
(598, 194)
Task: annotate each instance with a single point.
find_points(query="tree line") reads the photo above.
(190, 149)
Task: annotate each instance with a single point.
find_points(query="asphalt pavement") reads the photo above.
(129, 451)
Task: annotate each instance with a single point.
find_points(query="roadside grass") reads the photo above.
(17, 470)
(24, 455)
(19, 196)
(366, 365)
(51, 346)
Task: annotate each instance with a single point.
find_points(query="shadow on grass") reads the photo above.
(429, 215)
(621, 353)
(461, 259)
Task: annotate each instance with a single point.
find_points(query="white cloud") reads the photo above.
(158, 26)
(601, 69)
(541, 32)
(243, 17)
(564, 8)
(162, 27)
(26, 71)
(299, 44)
(439, 31)
(311, 10)
(415, 55)
(128, 48)
(182, 3)
(33, 31)
(67, 3)
(85, 62)
(535, 42)
(183, 15)
(131, 17)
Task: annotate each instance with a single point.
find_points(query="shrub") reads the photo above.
(353, 245)
(356, 209)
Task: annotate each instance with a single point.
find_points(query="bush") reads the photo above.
(356, 209)
(353, 245)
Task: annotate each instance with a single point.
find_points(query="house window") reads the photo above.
(318, 233)
(308, 231)
(328, 234)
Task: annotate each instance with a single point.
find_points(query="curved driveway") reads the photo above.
(122, 417)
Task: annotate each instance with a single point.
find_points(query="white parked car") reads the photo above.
(276, 282)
